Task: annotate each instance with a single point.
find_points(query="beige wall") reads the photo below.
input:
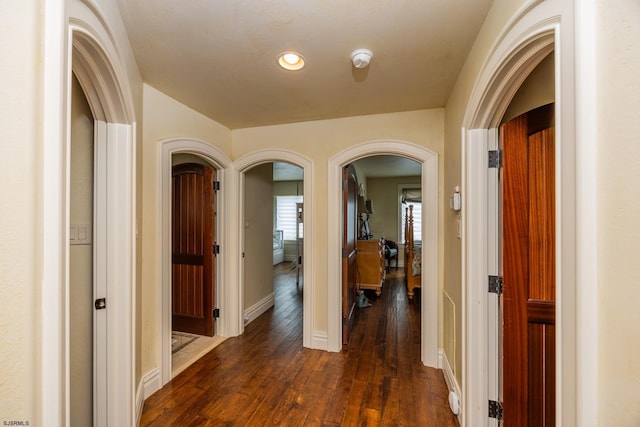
(81, 261)
(182, 158)
(321, 140)
(618, 222)
(20, 224)
(21, 183)
(537, 90)
(288, 188)
(383, 192)
(498, 16)
(258, 237)
(164, 118)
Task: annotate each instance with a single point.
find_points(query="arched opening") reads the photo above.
(98, 70)
(303, 248)
(530, 37)
(429, 277)
(273, 260)
(170, 151)
(114, 210)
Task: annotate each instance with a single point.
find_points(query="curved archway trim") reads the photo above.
(538, 29)
(83, 45)
(311, 339)
(222, 163)
(430, 294)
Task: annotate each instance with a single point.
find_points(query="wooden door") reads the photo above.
(528, 263)
(193, 230)
(349, 240)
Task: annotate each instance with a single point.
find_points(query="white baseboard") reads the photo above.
(148, 385)
(152, 382)
(253, 312)
(320, 341)
(139, 401)
(450, 379)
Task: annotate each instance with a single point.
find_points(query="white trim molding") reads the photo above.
(253, 312)
(77, 40)
(219, 160)
(539, 28)
(151, 383)
(430, 288)
(450, 379)
(236, 222)
(320, 341)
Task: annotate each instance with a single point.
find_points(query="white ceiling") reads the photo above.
(219, 56)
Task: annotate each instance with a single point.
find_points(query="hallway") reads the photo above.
(266, 377)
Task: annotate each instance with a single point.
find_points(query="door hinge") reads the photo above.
(344, 252)
(100, 304)
(496, 285)
(216, 249)
(216, 185)
(495, 410)
(495, 159)
(215, 313)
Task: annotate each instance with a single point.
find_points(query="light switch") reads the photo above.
(80, 234)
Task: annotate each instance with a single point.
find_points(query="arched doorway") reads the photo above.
(429, 294)
(93, 59)
(529, 38)
(216, 158)
(243, 165)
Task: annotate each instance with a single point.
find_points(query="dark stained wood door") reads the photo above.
(528, 263)
(349, 240)
(193, 230)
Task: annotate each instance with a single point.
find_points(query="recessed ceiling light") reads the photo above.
(292, 61)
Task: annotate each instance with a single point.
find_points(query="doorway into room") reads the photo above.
(381, 214)
(428, 161)
(273, 256)
(194, 250)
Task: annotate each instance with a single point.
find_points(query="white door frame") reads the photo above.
(77, 41)
(221, 163)
(430, 289)
(310, 339)
(537, 29)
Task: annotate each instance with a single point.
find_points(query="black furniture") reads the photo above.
(390, 253)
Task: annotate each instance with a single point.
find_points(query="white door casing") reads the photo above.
(225, 324)
(430, 289)
(537, 29)
(78, 42)
(310, 338)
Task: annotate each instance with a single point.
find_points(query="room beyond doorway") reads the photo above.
(430, 248)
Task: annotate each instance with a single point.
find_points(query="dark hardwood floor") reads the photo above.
(266, 377)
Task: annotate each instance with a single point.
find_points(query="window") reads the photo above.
(286, 215)
(417, 221)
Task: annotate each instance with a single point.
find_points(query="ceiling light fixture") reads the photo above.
(291, 61)
(361, 58)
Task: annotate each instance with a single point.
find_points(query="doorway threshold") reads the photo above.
(191, 353)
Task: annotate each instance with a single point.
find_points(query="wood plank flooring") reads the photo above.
(266, 377)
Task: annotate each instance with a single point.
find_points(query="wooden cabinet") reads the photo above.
(370, 269)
